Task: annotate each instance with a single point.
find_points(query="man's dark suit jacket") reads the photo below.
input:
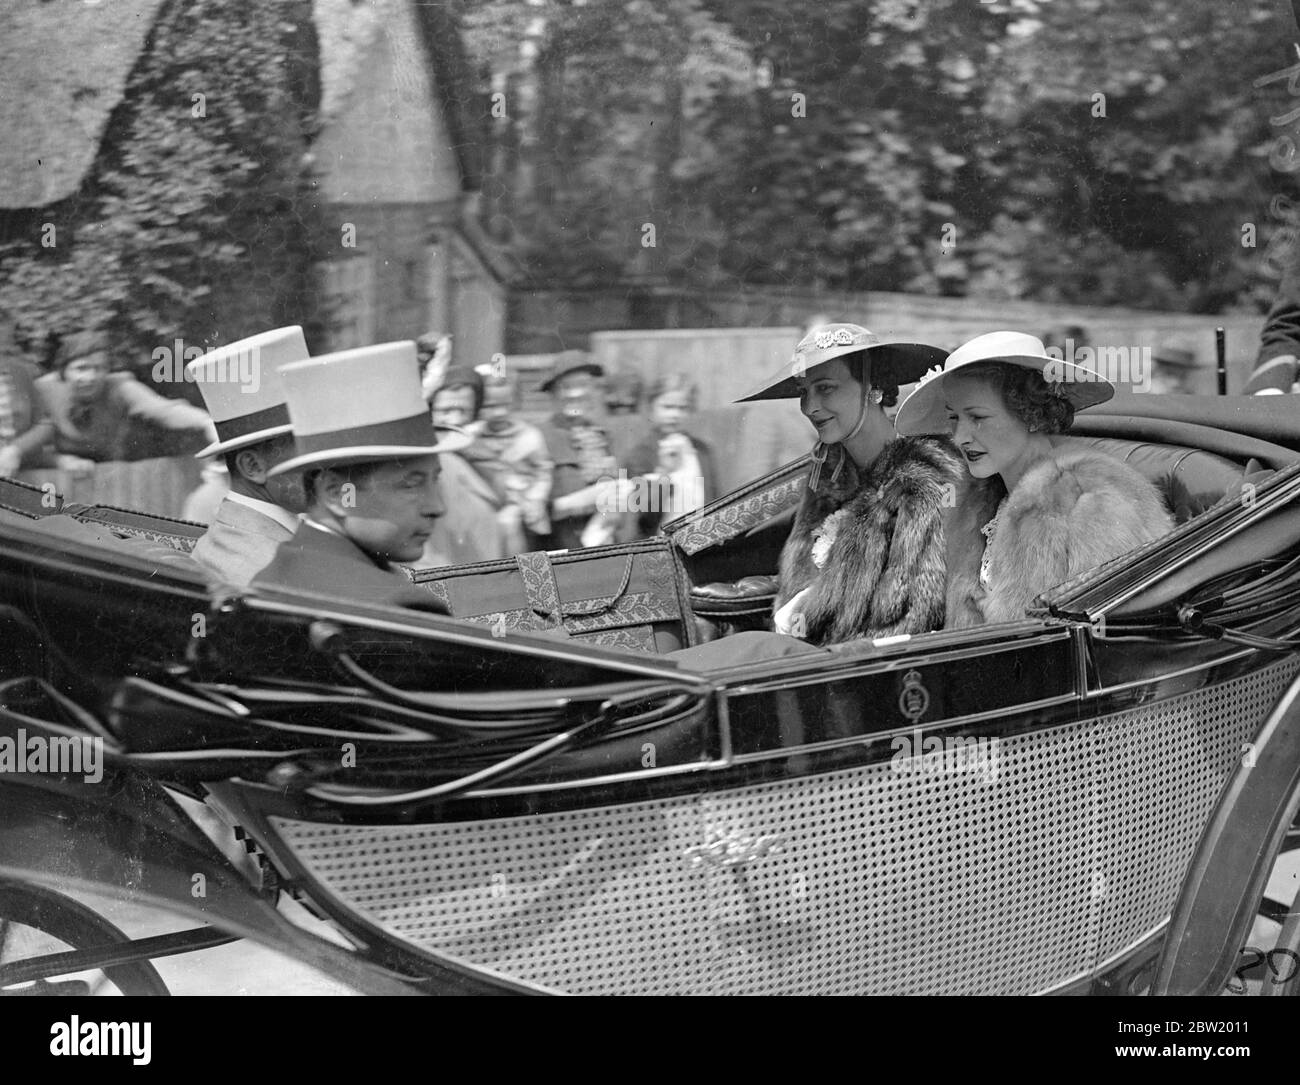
(1280, 340)
(327, 563)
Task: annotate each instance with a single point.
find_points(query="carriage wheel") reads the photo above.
(1270, 961)
(35, 921)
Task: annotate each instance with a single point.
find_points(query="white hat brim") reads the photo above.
(924, 410)
(453, 442)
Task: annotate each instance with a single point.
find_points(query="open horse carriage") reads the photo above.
(1098, 798)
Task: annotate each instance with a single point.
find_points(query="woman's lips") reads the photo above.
(972, 456)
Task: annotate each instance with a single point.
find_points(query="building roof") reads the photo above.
(63, 70)
(346, 30)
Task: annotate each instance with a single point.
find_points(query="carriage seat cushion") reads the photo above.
(1190, 480)
(100, 535)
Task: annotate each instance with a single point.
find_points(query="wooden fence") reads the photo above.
(158, 486)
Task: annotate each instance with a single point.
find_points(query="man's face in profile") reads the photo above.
(391, 508)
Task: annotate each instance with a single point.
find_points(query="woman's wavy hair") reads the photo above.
(860, 368)
(1030, 398)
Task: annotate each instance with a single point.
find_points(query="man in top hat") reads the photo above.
(253, 436)
(368, 452)
(586, 491)
(1175, 370)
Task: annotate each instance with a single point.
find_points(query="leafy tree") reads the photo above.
(944, 147)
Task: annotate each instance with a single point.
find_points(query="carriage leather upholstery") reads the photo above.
(176, 534)
(99, 534)
(1191, 480)
(723, 599)
(28, 500)
(624, 596)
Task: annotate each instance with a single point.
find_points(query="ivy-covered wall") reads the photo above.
(197, 219)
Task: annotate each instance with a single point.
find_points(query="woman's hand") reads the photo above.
(790, 619)
(11, 459)
(76, 465)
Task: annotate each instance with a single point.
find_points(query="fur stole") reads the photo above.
(1070, 513)
(884, 573)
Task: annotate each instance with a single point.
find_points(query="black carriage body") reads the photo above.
(1003, 810)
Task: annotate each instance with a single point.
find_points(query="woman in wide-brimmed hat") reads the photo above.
(1036, 514)
(865, 557)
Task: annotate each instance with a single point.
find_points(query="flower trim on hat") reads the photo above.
(930, 374)
(840, 337)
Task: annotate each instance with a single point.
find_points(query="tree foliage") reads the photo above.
(945, 147)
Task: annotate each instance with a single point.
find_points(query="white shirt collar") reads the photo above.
(286, 519)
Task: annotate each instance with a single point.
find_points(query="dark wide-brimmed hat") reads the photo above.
(570, 361)
(891, 363)
(358, 406)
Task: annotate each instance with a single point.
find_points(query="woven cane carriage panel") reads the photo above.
(587, 901)
(1015, 871)
(1157, 785)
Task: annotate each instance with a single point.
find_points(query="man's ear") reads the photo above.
(335, 491)
(252, 465)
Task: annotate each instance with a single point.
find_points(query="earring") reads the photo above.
(876, 395)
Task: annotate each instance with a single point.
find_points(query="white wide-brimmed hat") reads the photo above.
(362, 405)
(241, 388)
(924, 410)
(891, 363)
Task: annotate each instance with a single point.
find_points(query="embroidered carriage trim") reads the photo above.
(436, 588)
(640, 638)
(639, 608)
(739, 517)
(541, 589)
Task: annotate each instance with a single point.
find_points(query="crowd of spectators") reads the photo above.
(609, 464)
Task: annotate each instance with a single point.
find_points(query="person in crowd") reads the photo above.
(681, 463)
(434, 352)
(589, 498)
(93, 409)
(865, 557)
(260, 511)
(469, 530)
(1035, 515)
(369, 456)
(512, 455)
(1174, 370)
(1067, 338)
(623, 394)
(1277, 367)
(25, 428)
